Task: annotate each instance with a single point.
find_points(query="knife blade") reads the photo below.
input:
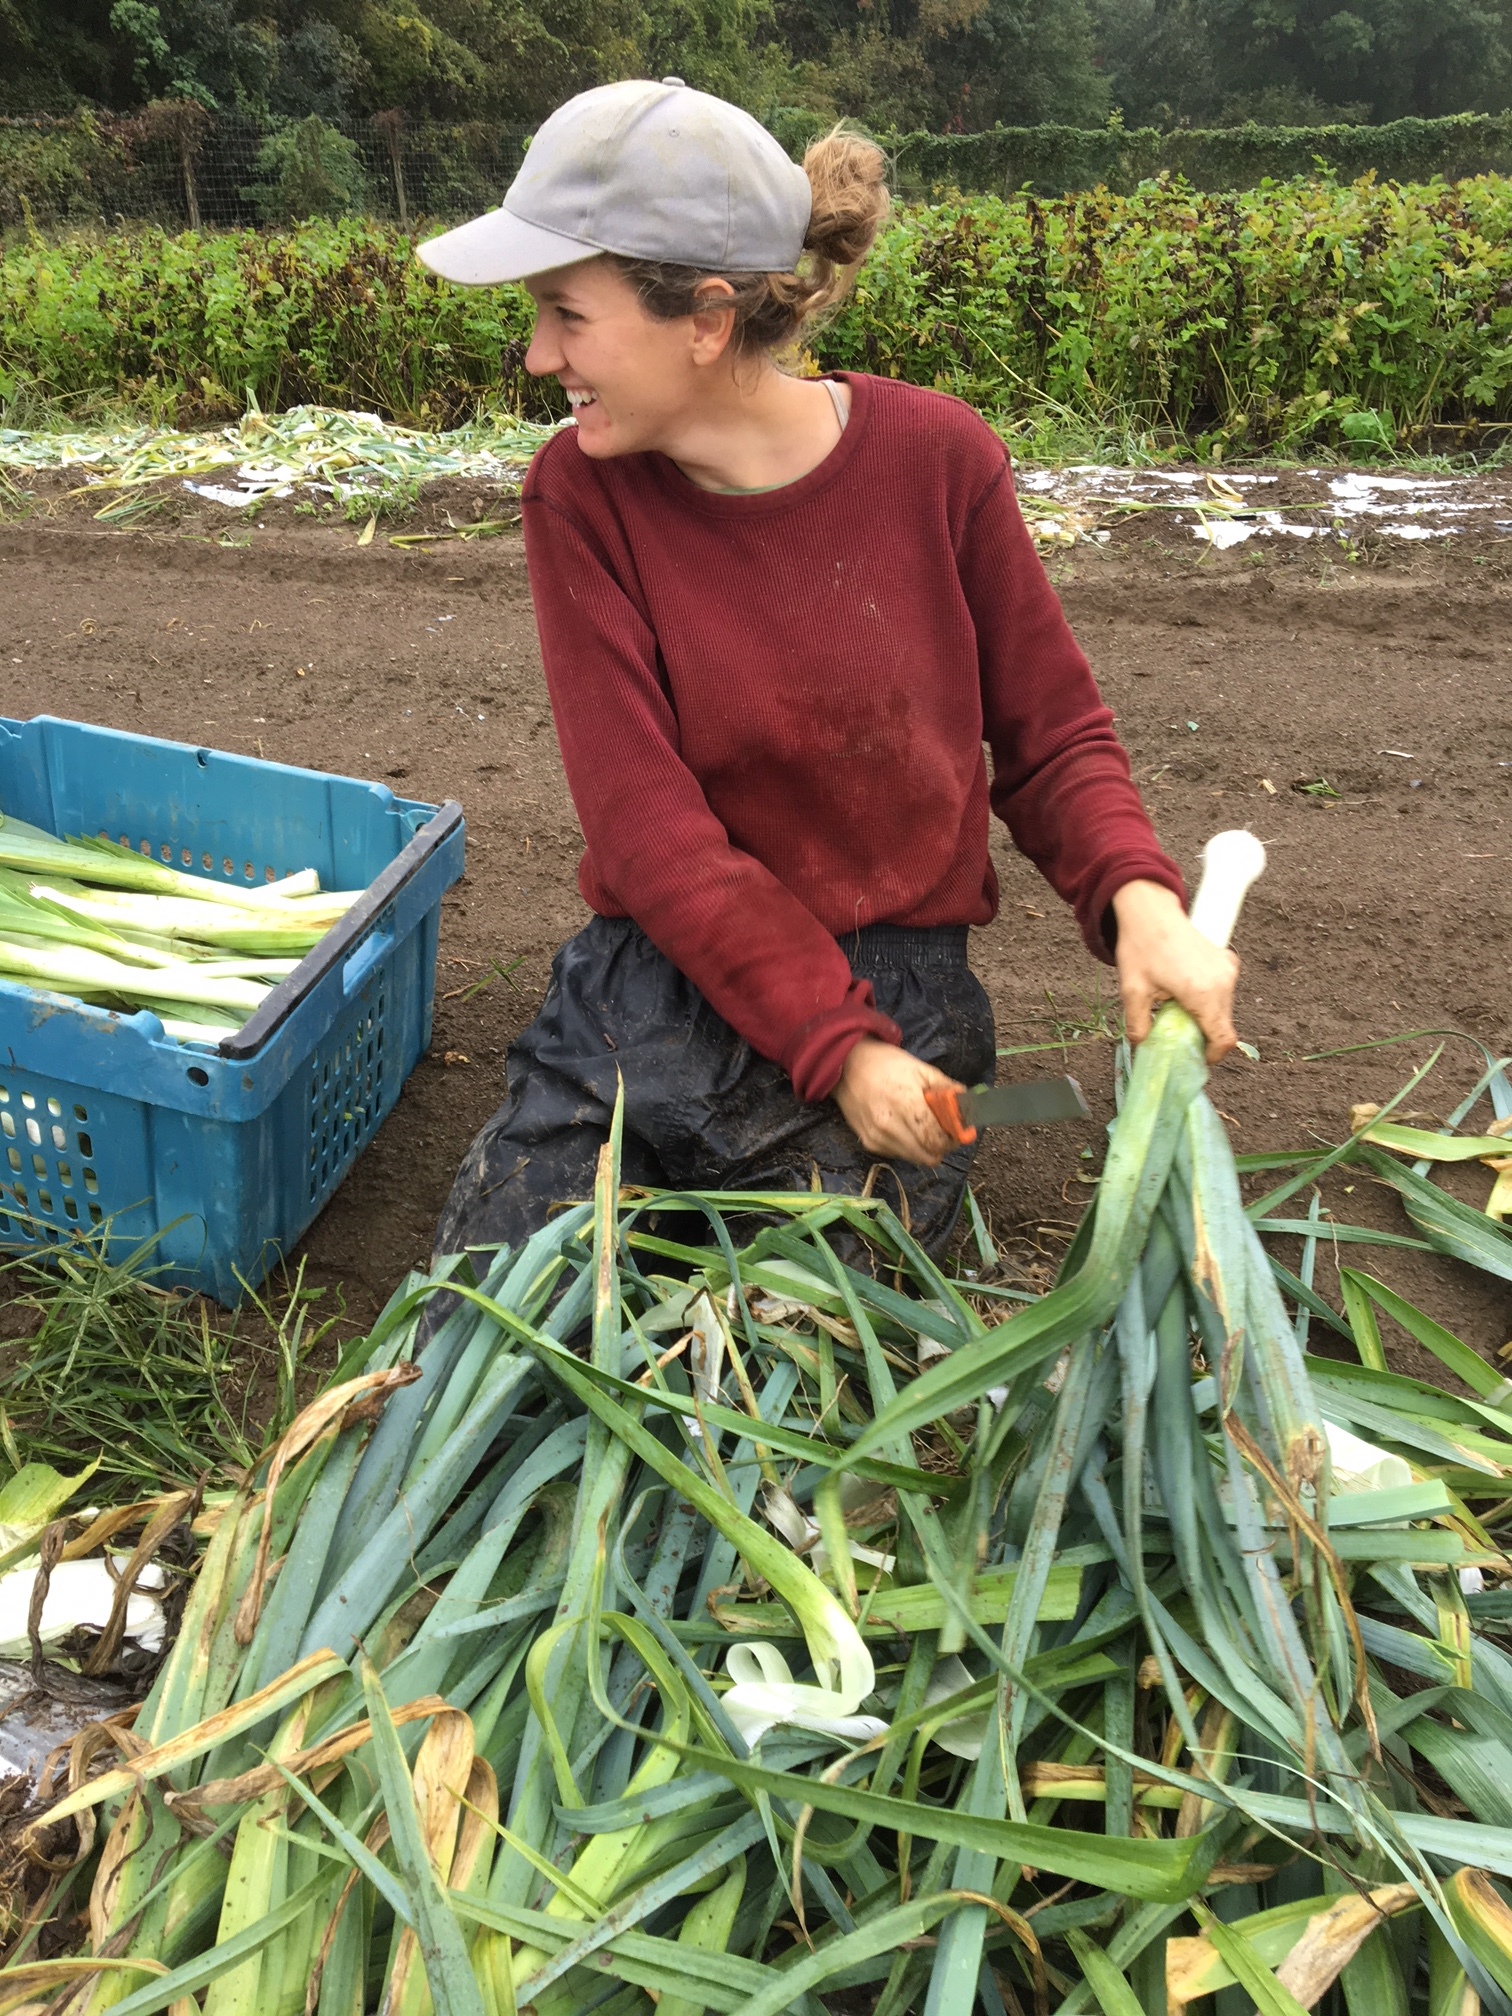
(1031, 1103)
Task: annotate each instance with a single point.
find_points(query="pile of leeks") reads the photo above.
(660, 1635)
(91, 919)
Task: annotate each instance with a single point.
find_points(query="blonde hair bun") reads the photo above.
(848, 176)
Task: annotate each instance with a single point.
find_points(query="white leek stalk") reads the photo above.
(1357, 1465)
(295, 925)
(105, 862)
(765, 1694)
(66, 968)
(21, 914)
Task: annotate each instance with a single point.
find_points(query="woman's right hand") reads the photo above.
(881, 1094)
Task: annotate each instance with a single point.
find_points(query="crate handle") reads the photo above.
(377, 945)
(346, 943)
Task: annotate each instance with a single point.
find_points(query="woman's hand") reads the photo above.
(1162, 958)
(881, 1094)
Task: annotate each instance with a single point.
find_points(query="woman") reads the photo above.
(779, 617)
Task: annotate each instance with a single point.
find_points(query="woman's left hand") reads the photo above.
(1162, 958)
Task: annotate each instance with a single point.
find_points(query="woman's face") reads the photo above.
(630, 378)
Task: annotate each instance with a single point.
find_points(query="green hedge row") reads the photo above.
(1298, 311)
(1054, 159)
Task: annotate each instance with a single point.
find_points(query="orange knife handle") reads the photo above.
(944, 1101)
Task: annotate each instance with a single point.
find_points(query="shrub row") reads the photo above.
(1052, 160)
(1264, 318)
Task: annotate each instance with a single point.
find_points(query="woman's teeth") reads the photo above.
(577, 400)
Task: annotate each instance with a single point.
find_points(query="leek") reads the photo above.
(66, 968)
(116, 929)
(301, 920)
(108, 864)
(521, 1720)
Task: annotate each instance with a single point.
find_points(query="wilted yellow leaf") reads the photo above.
(1307, 1947)
(1332, 1939)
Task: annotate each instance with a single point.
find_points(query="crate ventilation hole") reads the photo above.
(346, 1097)
(48, 1186)
(246, 871)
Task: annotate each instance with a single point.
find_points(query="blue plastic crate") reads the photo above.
(224, 1156)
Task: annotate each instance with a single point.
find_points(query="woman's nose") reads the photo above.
(544, 354)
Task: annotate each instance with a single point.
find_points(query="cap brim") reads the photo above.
(499, 246)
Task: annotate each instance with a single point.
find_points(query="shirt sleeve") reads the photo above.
(1061, 780)
(758, 956)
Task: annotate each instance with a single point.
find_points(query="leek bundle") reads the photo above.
(656, 1636)
(94, 920)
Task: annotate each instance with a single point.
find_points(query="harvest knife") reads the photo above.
(1032, 1103)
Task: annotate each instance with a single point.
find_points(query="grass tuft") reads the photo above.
(103, 1362)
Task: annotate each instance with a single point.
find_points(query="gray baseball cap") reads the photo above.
(651, 171)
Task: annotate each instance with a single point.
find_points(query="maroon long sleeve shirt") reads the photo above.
(772, 710)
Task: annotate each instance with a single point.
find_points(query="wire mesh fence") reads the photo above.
(176, 165)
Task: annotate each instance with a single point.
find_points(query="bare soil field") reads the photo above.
(1378, 674)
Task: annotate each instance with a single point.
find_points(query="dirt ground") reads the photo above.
(1377, 671)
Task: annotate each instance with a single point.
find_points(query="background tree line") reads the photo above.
(945, 65)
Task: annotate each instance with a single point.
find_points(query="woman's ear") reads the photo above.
(713, 319)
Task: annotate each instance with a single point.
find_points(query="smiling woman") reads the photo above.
(634, 376)
(780, 617)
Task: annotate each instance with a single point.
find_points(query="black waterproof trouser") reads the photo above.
(703, 1111)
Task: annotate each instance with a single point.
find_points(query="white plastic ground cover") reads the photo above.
(273, 454)
(79, 1598)
(325, 449)
(1224, 510)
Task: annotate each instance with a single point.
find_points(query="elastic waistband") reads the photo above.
(905, 945)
